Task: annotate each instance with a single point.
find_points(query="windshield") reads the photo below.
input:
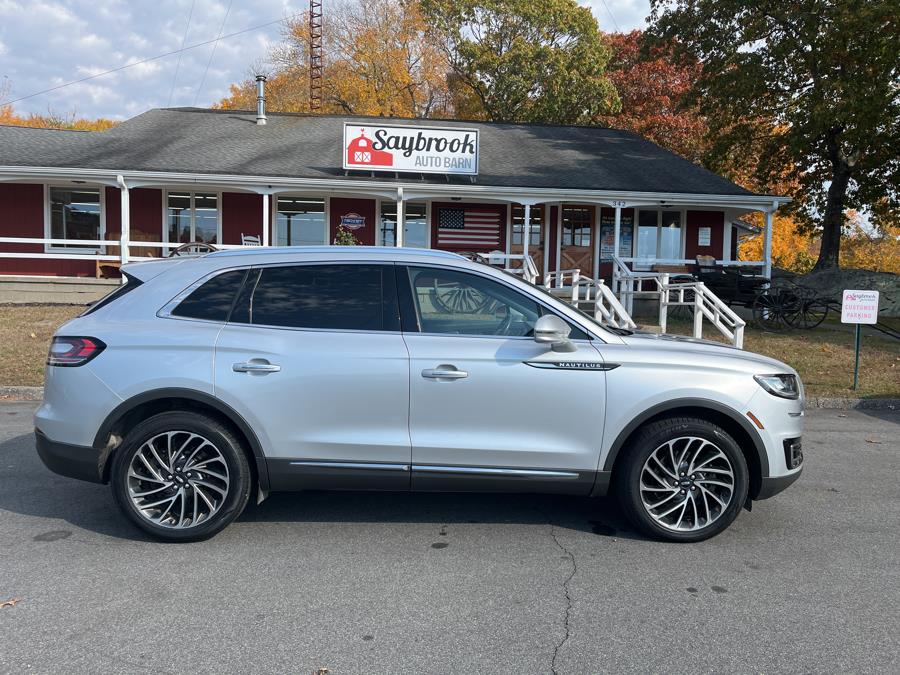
(611, 329)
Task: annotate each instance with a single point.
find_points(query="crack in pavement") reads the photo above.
(565, 638)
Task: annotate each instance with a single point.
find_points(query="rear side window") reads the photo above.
(212, 300)
(336, 297)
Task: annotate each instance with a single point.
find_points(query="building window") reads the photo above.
(192, 216)
(659, 235)
(536, 230)
(577, 224)
(300, 221)
(76, 213)
(415, 224)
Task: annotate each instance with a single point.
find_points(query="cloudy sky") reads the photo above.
(47, 43)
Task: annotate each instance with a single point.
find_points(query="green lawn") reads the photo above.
(823, 357)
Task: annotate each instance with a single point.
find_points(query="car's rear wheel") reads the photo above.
(181, 476)
(684, 479)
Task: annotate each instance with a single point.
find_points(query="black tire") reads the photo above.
(232, 455)
(652, 437)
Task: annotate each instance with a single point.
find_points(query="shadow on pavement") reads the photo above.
(27, 487)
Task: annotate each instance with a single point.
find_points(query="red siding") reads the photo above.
(341, 206)
(551, 238)
(241, 214)
(714, 220)
(500, 208)
(22, 215)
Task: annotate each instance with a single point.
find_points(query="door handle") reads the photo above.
(444, 372)
(255, 367)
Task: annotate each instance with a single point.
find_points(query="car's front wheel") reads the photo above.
(181, 476)
(684, 479)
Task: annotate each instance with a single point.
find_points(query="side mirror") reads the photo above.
(553, 331)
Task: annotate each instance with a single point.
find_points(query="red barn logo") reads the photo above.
(359, 151)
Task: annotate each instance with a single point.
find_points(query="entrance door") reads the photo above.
(489, 407)
(536, 236)
(314, 360)
(576, 250)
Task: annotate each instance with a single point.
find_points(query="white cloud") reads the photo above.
(44, 43)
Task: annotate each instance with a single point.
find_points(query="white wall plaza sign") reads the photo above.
(377, 147)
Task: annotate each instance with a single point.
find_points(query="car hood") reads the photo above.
(689, 346)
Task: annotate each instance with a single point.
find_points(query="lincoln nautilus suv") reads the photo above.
(202, 382)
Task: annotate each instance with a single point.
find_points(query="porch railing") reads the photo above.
(582, 290)
(706, 304)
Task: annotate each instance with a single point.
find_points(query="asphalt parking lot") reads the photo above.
(390, 583)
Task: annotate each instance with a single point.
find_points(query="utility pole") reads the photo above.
(315, 56)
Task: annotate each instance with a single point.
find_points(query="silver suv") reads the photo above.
(203, 381)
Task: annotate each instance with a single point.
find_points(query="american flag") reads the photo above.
(471, 227)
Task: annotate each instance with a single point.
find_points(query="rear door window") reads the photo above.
(328, 297)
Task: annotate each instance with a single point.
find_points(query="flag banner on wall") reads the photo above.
(468, 227)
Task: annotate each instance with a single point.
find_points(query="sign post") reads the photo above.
(859, 307)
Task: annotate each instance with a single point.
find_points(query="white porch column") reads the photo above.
(595, 239)
(125, 204)
(265, 219)
(727, 227)
(617, 228)
(401, 218)
(526, 233)
(767, 250)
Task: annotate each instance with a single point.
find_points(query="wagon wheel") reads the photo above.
(810, 314)
(684, 312)
(451, 299)
(192, 248)
(771, 308)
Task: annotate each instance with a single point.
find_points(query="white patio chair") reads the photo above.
(250, 239)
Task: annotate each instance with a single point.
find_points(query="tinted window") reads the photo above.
(212, 300)
(343, 297)
(454, 302)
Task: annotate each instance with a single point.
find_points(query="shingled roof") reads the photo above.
(227, 142)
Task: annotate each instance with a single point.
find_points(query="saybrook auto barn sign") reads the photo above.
(416, 149)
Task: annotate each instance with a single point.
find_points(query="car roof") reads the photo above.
(379, 252)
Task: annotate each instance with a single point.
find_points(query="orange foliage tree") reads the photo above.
(378, 61)
(51, 120)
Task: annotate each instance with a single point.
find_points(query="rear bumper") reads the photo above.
(74, 461)
(772, 485)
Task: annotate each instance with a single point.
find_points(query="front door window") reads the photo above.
(576, 247)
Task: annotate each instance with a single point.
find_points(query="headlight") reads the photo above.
(784, 386)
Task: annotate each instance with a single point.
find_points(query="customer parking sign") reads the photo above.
(859, 307)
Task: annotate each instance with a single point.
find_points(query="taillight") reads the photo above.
(73, 351)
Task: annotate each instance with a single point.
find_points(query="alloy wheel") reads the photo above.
(178, 479)
(686, 484)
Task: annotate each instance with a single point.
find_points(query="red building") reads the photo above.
(75, 202)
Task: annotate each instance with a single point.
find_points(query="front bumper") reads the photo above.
(772, 485)
(74, 461)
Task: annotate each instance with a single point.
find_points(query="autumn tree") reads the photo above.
(525, 60)
(378, 61)
(52, 120)
(823, 73)
(653, 86)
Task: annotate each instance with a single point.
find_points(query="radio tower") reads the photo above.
(315, 55)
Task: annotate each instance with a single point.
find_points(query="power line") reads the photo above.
(608, 11)
(151, 58)
(183, 40)
(212, 52)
